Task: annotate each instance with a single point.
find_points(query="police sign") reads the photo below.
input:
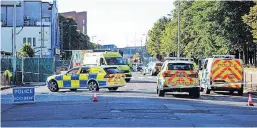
(23, 95)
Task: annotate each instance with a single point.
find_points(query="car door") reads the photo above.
(204, 73)
(83, 77)
(70, 79)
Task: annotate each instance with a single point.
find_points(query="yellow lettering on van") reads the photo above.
(226, 65)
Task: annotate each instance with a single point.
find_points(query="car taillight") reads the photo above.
(165, 74)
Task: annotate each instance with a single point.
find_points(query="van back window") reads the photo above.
(180, 66)
(111, 70)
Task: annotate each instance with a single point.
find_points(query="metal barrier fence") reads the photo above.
(29, 69)
(62, 65)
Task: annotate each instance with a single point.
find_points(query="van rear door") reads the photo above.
(227, 71)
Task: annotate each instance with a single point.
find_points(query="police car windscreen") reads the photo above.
(112, 70)
(180, 66)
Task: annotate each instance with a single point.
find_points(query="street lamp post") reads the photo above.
(142, 53)
(178, 27)
(14, 42)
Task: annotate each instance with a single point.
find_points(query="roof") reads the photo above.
(179, 61)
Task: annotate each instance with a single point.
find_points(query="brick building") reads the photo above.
(80, 18)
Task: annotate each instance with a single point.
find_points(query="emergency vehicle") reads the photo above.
(87, 77)
(222, 73)
(109, 58)
(178, 75)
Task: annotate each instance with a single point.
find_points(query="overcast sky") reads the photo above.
(119, 21)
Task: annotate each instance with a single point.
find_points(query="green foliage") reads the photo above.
(153, 44)
(206, 28)
(77, 40)
(251, 20)
(26, 50)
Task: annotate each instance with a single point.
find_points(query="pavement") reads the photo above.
(4, 87)
(135, 105)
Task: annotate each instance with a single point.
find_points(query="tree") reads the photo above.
(153, 44)
(77, 40)
(207, 28)
(251, 20)
(26, 50)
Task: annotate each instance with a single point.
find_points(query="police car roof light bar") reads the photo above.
(180, 58)
(224, 56)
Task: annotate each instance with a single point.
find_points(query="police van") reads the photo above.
(222, 73)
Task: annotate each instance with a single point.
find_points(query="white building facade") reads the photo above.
(37, 24)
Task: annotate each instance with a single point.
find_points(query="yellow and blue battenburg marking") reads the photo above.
(78, 80)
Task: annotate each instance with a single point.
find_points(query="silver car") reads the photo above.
(152, 68)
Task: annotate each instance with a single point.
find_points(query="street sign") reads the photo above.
(23, 95)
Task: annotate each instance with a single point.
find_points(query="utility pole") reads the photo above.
(14, 42)
(62, 36)
(178, 27)
(41, 33)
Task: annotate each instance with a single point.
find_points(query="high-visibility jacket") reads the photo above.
(7, 73)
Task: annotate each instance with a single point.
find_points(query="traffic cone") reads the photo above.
(250, 101)
(95, 96)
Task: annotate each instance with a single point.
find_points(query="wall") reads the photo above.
(33, 32)
(78, 17)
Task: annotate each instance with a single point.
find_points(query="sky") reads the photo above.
(120, 22)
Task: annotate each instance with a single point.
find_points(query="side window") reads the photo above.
(73, 71)
(84, 71)
(29, 40)
(205, 64)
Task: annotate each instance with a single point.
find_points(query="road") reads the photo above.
(136, 104)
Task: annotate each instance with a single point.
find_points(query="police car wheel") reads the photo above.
(207, 91)
(127, 80)
(52, 86)
(92, 85)
(194, 93)
(241, 91)
(161, 93)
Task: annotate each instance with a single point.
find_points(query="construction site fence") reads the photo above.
(29, 69)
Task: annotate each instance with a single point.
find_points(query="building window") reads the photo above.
(34, 42)
(24, 40)
(29, 40)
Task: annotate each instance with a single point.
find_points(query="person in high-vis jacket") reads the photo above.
(7, 77)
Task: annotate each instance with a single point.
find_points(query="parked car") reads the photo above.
(138, 67)
(152, 68)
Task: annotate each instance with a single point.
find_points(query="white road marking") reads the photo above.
(140, 77)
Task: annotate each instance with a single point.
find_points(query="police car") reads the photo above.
(178, 75)
(87, 77)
